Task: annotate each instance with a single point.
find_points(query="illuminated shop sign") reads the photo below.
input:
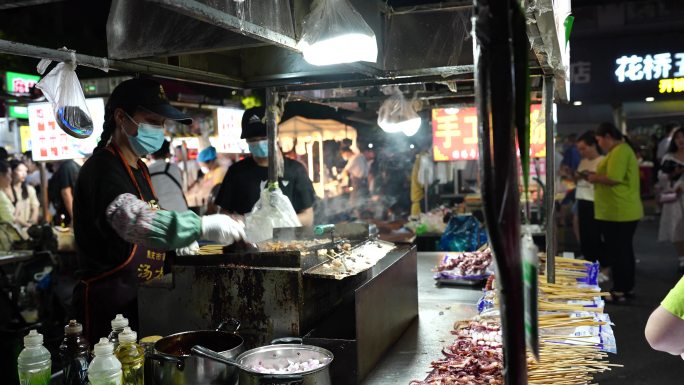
(454, 133)
(19, 84)
(668, 86)
(649, 67)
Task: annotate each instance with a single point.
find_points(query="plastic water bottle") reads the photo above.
(105, 369)
(118, 324)
(74, 354)
(132, 357)
(34, 361)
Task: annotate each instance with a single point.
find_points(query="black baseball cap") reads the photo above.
(253, 123)
(147, 94)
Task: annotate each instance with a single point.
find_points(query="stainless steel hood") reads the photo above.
(254, 41)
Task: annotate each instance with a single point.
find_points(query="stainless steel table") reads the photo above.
(439, 307)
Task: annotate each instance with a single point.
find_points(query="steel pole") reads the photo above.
(272, 133)
(550, 193)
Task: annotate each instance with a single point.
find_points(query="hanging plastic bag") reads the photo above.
(62, 89)
(397, 115)
(272, 210)
(463, 233)
(334, 32)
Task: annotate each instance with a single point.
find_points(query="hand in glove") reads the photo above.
(192, 249)
(222, 229)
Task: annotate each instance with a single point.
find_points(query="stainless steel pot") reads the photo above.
(173, 364)
(279, 356)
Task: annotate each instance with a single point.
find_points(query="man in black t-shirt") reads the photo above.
(244, 180)
(61, 190)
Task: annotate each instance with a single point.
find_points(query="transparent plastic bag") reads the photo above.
(62, 89)
(397, 115)
(334, 32)
(272, 210)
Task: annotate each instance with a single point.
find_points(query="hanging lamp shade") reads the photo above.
(397, 115)
(335, 33)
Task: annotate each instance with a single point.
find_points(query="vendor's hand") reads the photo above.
(222, 229)
(192, 249)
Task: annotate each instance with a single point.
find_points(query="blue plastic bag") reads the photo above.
(463, 233)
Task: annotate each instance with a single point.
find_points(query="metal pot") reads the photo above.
(173, 364)
(279, 356)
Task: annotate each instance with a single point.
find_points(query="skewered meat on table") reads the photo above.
(467, 264)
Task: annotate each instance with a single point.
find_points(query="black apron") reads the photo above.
(116, 291)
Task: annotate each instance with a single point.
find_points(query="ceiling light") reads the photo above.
(397, 115)
(650, 99)
(577, 103)
(370, 145)
(334, 33)
(412, 146)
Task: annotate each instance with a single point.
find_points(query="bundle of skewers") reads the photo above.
(575, 335)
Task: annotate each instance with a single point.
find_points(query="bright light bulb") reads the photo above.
(370, 145)
(346, 48)
(650, 99)
(577, 103)
(409, 127)
(412, 146)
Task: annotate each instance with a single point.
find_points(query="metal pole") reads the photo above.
(44, 191)
(271, 133)
(156, 69)
(550, 193)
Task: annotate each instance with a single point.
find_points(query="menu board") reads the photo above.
(50, 143)
(454, 133)
(228, 141)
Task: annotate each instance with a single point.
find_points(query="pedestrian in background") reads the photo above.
(591, 243)
(671, 176)
(617, 206)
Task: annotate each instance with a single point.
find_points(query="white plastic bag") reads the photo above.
(272, 210)
(334, 32)
(397, 115)
(63, 90)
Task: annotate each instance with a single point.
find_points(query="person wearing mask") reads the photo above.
(211, 167)
(121, 233)
(671, 175)
(61, 191)
(589, 230)
(6, 206)
(617, 206)
(23, 196)
(166, 180)
(241, 188)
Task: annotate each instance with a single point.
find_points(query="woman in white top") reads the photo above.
(23, 196)
(671, 176)
(589, 232)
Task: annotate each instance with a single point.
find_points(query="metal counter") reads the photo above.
(439, 307)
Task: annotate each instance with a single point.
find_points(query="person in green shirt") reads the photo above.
(617, 206)
(665, 328)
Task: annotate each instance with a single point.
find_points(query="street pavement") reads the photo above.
(656, 274)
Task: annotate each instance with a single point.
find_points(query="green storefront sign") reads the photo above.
(20, 84)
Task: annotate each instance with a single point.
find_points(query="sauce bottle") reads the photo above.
(74, 354)
(118, 325)
(132, 358)
(105, 369)
(33, 363)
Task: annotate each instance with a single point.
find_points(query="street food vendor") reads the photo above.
(122, 235)
(245, 179)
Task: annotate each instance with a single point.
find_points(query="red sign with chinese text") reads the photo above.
(454, 134)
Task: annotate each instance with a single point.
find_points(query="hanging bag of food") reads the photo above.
(62, 89)
(272, 210)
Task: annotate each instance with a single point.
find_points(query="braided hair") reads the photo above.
(110, 122)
